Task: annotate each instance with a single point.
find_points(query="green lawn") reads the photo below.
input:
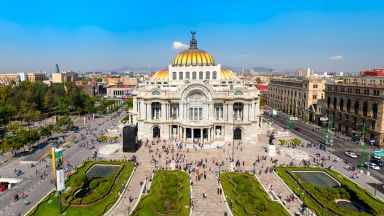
(245, 196)
(322, 200)
(169, 195)
(106, 192)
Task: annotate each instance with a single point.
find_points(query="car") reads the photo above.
(351, 154)
(378, 162)
(298, 129)
(26, 202)
(372, 165)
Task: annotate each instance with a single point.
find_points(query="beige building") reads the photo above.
(111, 81)
(299, 95)
(355, 101)
(8, 79)
(36, 77)
(64, 77)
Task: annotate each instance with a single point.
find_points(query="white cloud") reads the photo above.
(178, 45)
(336, 57)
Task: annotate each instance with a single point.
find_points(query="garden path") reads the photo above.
(213, 204)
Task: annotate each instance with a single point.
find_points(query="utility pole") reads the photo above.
(362, 139)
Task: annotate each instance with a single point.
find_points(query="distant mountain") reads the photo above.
(139, 69)
(256, 69)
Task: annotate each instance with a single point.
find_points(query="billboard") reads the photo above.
(59, 162)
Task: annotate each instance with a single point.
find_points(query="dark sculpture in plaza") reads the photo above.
(271, 138)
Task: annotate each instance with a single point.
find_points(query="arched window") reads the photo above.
(174, 75)
(201, 75)
(197, 106)
(341, 104)
(156, 110)
(365, 108)
(349, 104)
(194, 75)
(187, 75)
(374, 110)
(334, 103)
(238, 111)
(214, 75)
(207, 75)
(356, 107)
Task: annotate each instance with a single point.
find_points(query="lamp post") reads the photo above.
(233, 137)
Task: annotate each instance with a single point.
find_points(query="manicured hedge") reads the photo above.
(169, 195)
(245, 196)
(322, 200)
(96, 206)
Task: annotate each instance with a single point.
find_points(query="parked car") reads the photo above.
(351, 154)
(26, 202)
(378, 162)
(372, 165)
(298, 129)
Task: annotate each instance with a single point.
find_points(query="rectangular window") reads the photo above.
(207, 75)
(194, 75)
(214, 75)
(180, 75)
(201, 75)
(174, 76)
(200, 113)
(191, 113)
(187, 75)
(195, 114)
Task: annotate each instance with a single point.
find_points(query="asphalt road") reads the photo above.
(34, 185)
(340, 144)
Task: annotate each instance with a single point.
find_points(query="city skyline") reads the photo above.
(88, 36)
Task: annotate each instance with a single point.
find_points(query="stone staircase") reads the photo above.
(134, 189)
(268, 179)
(213, 205)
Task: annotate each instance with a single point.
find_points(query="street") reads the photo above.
(339, 147)
(37, 180)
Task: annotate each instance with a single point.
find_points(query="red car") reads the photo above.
(297, 129)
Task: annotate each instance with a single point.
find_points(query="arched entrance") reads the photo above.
(237, 134)
(156, 132)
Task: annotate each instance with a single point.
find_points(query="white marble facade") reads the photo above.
(215, 108)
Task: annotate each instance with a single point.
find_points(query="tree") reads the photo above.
(263, 101)
(63, 104)
(13, 127)
(258, 80)
(45, 132)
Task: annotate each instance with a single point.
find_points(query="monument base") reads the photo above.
(271, 149)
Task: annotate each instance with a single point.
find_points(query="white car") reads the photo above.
(372, 165)
(350, 154)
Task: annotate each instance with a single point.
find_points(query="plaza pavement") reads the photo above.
(36, 187)
(213, 204)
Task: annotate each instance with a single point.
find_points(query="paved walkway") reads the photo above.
(133, 191)
(213, 204)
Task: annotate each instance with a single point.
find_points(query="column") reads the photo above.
(163, 110)
(192, 133)
(201, 135)
(184, 134)
(209, 134)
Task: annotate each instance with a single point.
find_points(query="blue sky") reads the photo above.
(94, 35)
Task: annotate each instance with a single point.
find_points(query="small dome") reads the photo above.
(193, 56)
(160, 75)
(227, 74)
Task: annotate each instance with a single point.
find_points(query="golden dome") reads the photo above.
(193, 56)
(160, 75)
(227, 74)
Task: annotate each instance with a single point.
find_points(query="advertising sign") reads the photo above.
(274, 112)
(59, 162)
